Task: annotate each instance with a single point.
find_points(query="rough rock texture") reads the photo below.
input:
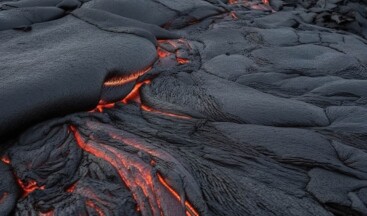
(183, 107)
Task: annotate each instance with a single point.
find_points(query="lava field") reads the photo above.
(183, 107)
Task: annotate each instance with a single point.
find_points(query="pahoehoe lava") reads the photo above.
(183, 107)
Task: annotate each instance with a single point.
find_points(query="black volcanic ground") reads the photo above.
(183, 107)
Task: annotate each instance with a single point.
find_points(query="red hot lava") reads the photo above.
(29, 186)
(5, 159)
(143, 182)
(134, 95)
(118, 81)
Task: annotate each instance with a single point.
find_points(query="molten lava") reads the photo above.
(5, 159)
(49, 213)
(162, 53)
(233, 15)
(103, 105)
(150, 109)
(134, 95)
(71, 189)
(189, 208)
(97, 209)
(182, 60)
(136, 174)
(119, 81)
(29, 186)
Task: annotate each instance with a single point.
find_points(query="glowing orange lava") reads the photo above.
(49, 213)
(134, 95)
(29, 187)
(118, 81)
(122, 165)
(92, 205)
(162, 53)
(5, 159)
(137, 175)
(150, 109)
(233, 15)
(175, 44)
(71, 189)
(103, 105)
(189, 208)
(182, 60)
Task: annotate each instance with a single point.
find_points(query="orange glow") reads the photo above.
(189, 208)
(71, 189)
(103, 105)
(29, 187)
(233, 15)
(118, 81)
(150, 109)
(162, 53)
(5, 159)
(135, 173)
(134, 95)
(122, 165)
(3, 197)
(92, 205)
(182, 60)
(232, 1)
(49, 213)
(266, 2)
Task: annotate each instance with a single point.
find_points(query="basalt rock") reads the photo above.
(187, 107)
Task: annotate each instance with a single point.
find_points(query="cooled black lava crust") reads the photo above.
(183, 107)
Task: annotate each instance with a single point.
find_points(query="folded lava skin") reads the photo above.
(183, 107)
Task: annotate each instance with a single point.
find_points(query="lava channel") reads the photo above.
(142, 180)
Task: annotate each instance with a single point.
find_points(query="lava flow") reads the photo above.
(189, 208)
(137, 175)
(49, 213)
(5, 159)
(29, 186)
(118, 81)
(92, 205)
(162, 53)
(134, 95)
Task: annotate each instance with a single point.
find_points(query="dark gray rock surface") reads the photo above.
(183, 107)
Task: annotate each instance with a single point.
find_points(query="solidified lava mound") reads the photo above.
(183, 107)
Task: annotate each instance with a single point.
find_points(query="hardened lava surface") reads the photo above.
(183, 107)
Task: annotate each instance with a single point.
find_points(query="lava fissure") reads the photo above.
(122, 80)
(140, 177)
(28, 187)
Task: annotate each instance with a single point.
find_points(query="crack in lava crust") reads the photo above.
(145, 183)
